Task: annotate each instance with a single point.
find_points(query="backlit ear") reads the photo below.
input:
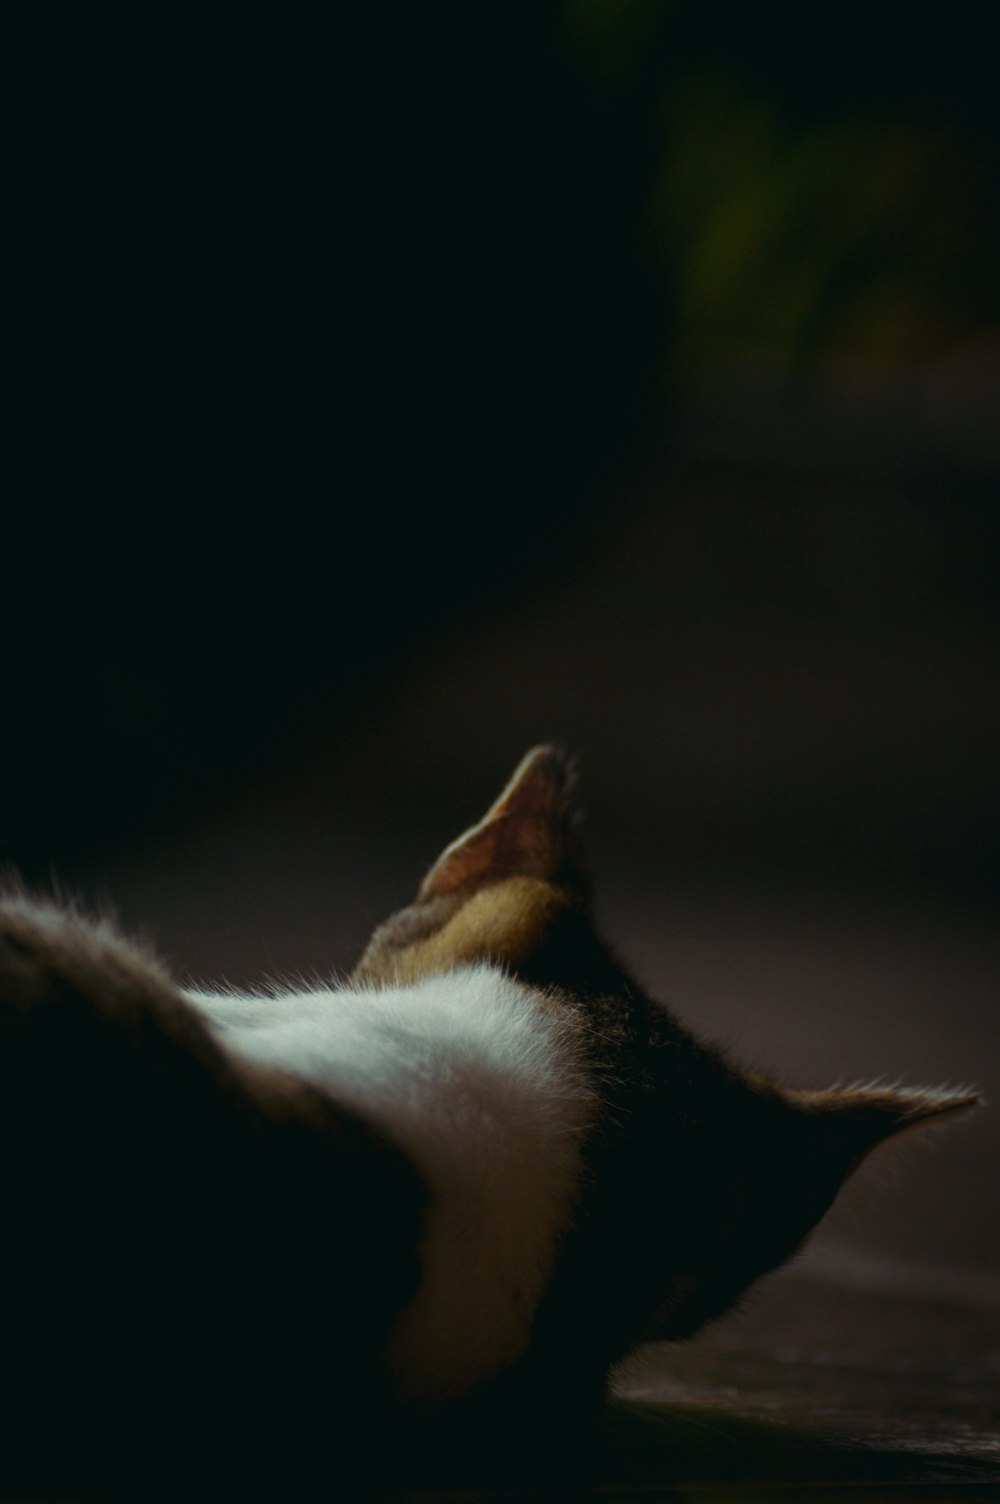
(526, 833)
(852, 1120)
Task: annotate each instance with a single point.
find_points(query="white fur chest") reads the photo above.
(477, 1079)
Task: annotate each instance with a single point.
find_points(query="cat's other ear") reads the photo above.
(850, 1121)
(794, 1168)
(527, 832)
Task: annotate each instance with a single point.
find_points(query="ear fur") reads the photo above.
(525, 833)
(852, 1120)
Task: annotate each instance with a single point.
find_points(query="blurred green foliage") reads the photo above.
(836, 203)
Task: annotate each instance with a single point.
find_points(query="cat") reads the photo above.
(246, 1233)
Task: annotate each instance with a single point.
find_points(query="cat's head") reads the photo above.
(735, 1167)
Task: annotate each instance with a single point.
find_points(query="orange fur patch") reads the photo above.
(503, 923)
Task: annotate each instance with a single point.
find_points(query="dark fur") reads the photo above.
(169, 1230)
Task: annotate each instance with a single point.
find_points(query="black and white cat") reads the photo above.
(243, 1229)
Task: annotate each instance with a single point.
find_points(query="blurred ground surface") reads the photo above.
(810, 1393)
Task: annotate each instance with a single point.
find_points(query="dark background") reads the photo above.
(394, 394)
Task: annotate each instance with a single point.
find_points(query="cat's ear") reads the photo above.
(793, 1171)
(510, 890)
(527, 832)
(850, 1121)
